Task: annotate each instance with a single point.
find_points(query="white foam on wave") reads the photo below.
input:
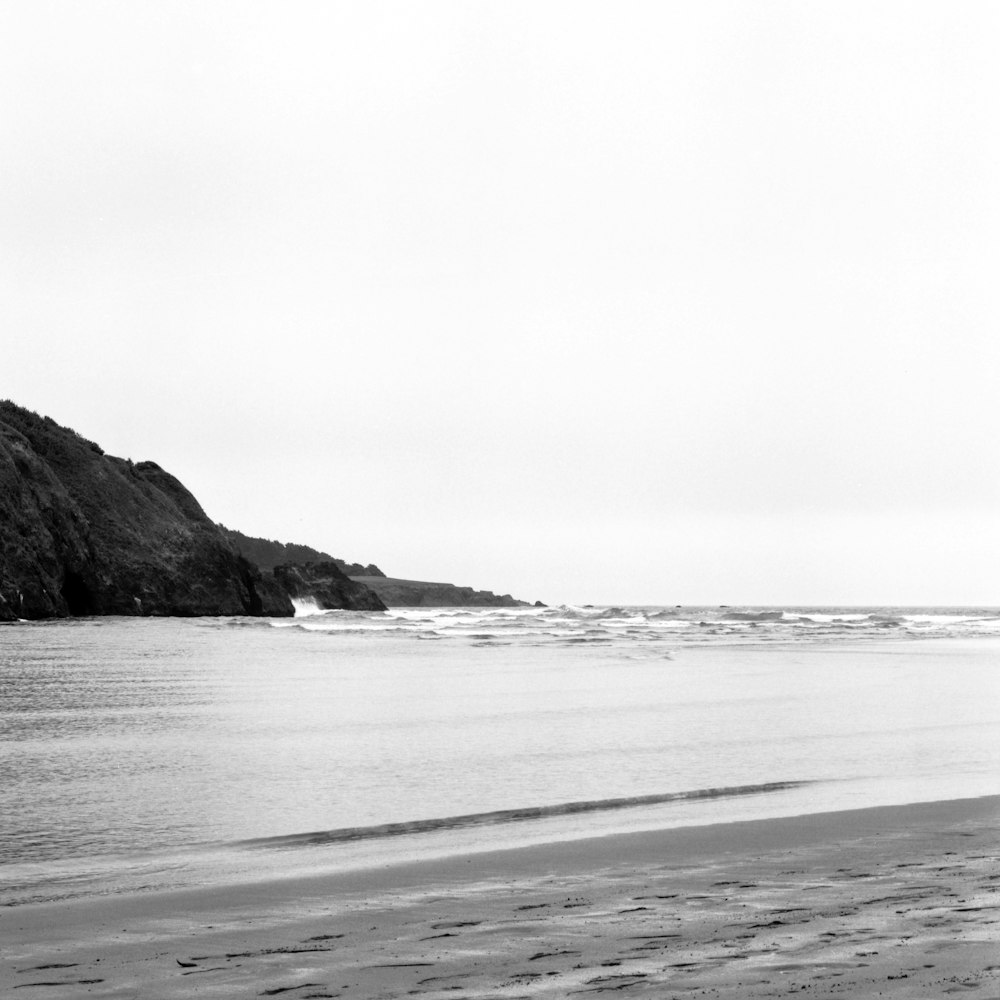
(627, 625)
(305, 606)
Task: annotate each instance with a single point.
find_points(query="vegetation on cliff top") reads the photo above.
(424, 594)
(268, 554)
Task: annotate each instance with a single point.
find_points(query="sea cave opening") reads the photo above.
(75, 592)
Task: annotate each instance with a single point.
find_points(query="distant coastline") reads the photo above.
(423, 594)
(269, 554)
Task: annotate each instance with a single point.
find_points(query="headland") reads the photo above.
(85, 533)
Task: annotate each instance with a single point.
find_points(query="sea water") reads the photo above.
(160, 753)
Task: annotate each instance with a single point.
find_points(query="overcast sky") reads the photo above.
(615, 302)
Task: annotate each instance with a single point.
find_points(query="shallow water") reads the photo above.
(140, 752)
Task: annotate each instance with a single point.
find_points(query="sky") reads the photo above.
(657, 303)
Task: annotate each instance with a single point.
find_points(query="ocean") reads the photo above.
(142, 754)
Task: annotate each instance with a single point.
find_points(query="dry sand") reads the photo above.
(894, 902)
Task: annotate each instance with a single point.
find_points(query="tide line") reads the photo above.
(496, 817)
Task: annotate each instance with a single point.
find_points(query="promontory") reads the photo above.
(84, 533)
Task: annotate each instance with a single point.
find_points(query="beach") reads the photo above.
(898, 901)
(502, 803)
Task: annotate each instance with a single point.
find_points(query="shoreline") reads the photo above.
(890, 899)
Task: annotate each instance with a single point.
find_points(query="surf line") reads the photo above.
(354, 833)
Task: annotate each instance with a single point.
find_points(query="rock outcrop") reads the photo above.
(423, 594)
(325, 584)
(84, 533)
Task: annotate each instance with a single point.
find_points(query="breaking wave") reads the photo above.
(629, 627)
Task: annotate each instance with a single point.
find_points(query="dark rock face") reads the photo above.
(327, 585)
(420, 594)
(268, 554)
(83, 533)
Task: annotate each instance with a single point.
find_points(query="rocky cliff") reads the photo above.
(84, 533)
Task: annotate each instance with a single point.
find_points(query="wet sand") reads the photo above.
(900, 901)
